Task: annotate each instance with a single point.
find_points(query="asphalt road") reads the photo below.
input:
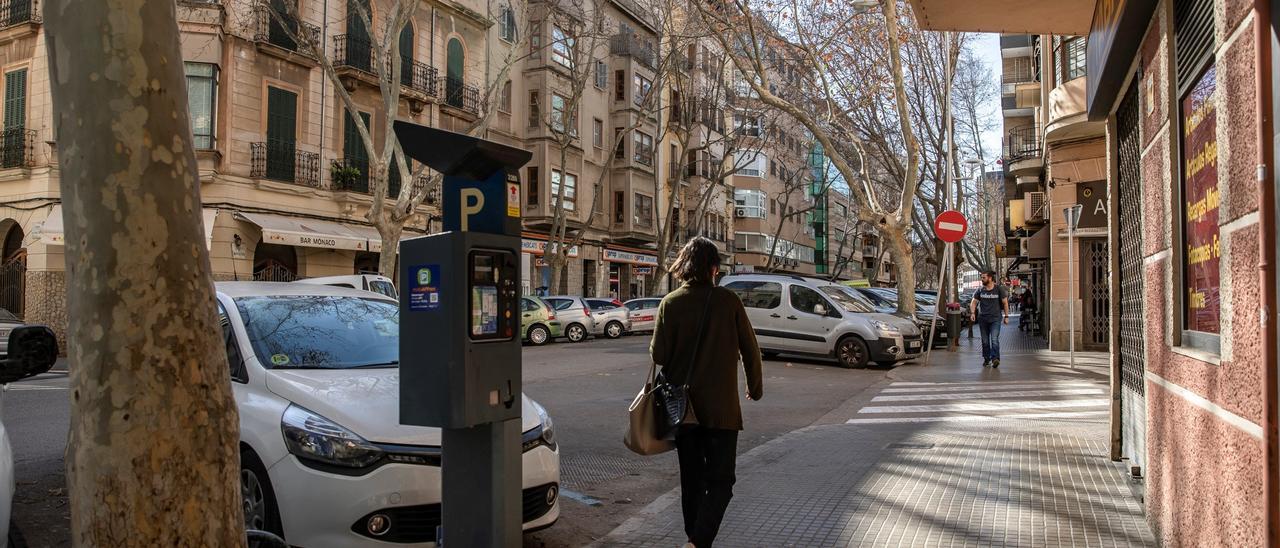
(586, 388)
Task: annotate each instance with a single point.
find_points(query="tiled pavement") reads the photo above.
(949, 454)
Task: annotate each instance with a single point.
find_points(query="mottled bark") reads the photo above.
(152, 456)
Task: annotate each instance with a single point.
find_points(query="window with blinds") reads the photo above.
(1193, 39)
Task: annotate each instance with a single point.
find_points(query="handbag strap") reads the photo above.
(702, 327)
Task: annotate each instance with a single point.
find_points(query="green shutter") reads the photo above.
(282, 132)
(353, 152)
(15, 99)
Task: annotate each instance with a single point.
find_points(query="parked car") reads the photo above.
(8, 322)
(613, 319)
(324, 460)
(34, 350)
(575, 316)
(538, 323)
(367, 282)
(643, 313)
(793, 314)
(886, 299)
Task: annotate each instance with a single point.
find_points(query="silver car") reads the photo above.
(8, 322)
(796, 315)
(612, 319)
(644, 313)
(575, 316)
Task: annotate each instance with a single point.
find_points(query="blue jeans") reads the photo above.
(990, 338)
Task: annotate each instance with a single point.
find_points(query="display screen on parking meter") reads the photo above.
(492, 298)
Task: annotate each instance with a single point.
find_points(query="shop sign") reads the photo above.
(618, 256)
(1093, 199)
(644, 270)
(1200, 216)
(539, 247)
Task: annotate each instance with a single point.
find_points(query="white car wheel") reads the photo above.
(613, 330)
(575, 333)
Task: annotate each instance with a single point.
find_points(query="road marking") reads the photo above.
(984, 387)
(584, 499)
(991, 406)
(979, 418)
(977, 395)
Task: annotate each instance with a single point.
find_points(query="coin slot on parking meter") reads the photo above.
(492, 295)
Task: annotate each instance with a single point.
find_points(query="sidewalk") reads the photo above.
(948, 454)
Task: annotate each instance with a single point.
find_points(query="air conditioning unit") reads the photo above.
(740, 212)
(1035, 206)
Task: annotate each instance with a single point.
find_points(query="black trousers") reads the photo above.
(708, 457)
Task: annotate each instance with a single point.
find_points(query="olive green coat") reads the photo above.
(713, 387)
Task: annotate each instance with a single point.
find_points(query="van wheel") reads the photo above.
(613, 330)
(256, 495)
(575, 333)
(852, 353)
(538, 335)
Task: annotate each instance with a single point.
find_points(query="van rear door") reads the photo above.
(763, 301)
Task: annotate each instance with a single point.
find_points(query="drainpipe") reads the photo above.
(1267, 263)
(324, 80)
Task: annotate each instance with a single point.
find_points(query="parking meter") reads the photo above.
(460, 360)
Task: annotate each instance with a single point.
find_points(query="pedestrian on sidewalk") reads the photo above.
(708, 450)
(990, 308)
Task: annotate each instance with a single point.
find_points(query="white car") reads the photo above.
(33, 350)
(367, 282)
(325, 461)
(644, 313)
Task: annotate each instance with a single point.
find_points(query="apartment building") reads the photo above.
(284, 177)
(1056, 158)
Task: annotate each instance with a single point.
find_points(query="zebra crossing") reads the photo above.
(986, 401)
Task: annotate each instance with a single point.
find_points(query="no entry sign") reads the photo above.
(950, 226)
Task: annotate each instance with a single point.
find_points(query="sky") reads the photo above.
(988, 49)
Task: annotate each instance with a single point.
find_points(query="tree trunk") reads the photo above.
(389, 232)
(895, 239)
(152, 456)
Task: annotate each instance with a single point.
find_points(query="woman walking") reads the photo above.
(709, 366)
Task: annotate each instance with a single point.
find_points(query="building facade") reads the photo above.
(1186, 93)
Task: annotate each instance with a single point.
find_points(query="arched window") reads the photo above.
(453, 73)
(275, 263)
(406, 54)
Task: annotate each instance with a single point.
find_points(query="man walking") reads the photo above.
(989, 308)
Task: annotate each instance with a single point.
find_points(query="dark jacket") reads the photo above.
(714, 385)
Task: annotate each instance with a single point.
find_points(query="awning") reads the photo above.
(1066, 17)
(278, 229)
(52, 230)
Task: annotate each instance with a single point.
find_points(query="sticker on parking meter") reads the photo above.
(424, 291)
(484, 310)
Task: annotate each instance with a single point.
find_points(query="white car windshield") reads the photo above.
(322, 331)
(385, 288)
(846, 300)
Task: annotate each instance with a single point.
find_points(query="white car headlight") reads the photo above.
(548, 426)
(885, 329)
(311, 436)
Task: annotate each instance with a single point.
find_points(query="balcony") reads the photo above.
(1024, 150)
(1067, 115)
(353, 57)
(629, 45)
(462, 96)
(18, 12)
(282, 161)
(18, 148)
(279, 32)
(342, 178)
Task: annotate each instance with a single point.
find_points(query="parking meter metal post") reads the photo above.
(460, 358)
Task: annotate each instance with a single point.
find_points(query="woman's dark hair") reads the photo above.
(695, 261)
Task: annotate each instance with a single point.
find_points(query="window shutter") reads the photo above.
(1193, 37)
(532, 191)
(620, 85)
(15, 99)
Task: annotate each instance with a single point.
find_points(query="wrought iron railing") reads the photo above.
(282, 161)
(357, 53)
(17, 12)
(341, 176)
(1024, 143)
(17, 147)
(629, 44)
(419, 186)
(461, 95)
(280, 31)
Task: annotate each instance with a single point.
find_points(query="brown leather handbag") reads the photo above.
(642, 430)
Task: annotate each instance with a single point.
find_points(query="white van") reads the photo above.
(367, 282)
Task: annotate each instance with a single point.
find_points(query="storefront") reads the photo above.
(535, 270)
(631, 272)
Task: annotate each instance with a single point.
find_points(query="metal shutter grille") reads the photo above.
(1129, 200)
(1193, 36)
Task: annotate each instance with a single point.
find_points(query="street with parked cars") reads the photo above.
(325, 461)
